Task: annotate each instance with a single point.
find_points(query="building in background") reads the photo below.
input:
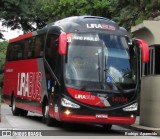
(150, 81)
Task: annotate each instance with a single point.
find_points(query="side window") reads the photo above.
(149, 67)
(157, 60)
(27, 51)
(17, 51)
(51, 50)
(38, 46)
(9, 50)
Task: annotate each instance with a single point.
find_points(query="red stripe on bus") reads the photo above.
(85, 97)
(93, 119)
(28, 35)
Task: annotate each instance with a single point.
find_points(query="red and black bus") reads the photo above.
(81, 69)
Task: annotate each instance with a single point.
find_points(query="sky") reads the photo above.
(8, 33)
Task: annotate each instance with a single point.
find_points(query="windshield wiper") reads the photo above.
(109, 91)
(99, 67)
(84, 88)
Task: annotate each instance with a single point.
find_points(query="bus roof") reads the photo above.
(89, 24)
(80, 24)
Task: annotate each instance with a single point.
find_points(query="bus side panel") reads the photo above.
(26, 79)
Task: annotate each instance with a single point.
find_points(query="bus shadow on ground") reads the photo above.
(78, 128)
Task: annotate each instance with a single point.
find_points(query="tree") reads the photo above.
(35, 14)
(14, 12)
(65, 8)
(131, 12)
(1, 35)
(22, 14)
(3, 49)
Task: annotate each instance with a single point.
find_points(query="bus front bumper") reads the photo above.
(93, 119)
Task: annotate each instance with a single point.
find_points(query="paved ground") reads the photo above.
(138, 126)
(33, 122)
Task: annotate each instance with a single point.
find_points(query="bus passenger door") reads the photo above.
(52, 68)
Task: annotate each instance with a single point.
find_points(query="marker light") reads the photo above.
(67, 112)
(67, 103)
(132, 107)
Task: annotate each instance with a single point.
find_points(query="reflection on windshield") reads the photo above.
(96, 59)
(118, 65)
(82, 63)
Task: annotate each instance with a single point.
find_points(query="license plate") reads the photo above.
(103, 116)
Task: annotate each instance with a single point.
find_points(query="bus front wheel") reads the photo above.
(107, 127)
(46, 117)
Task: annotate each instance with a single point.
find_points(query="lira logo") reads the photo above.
(101, 26)
(29, 85)
(80, 96)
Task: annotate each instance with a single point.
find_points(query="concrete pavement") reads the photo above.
(138, 126)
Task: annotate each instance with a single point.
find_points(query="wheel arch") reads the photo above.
(11, 99)
(44, 101)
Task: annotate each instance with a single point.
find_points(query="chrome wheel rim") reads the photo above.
(46, 111)
(13, 104)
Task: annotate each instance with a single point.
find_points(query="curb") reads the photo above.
(140, 128)
(145, 128)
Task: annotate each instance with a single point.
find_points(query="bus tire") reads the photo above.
(107, 127)
(15, 110)
(46, 117)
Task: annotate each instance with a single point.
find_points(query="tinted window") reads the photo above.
(96, 59)
(26, 49)
(15, 51)
(38, 46)
(51, 50)
(27, 52)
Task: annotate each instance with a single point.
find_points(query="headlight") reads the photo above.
(67, 103)
(132, 107)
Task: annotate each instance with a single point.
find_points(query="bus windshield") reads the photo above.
(99, 61)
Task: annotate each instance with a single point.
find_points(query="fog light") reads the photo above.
(132, 116)
(67, 112)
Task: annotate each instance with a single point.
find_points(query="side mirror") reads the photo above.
(145, 49)
(62, 46)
